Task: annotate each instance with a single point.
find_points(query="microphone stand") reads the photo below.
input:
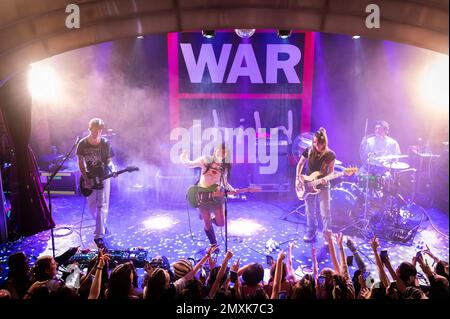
(47, 189)
(222, 181)
(366, 163)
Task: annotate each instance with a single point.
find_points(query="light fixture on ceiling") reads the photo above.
(355, 37)
(284, 34)
(244, 33)
(209, 34)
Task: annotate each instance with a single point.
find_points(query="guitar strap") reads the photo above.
(324, 166)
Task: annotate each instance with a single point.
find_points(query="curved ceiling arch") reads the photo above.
(32, 30)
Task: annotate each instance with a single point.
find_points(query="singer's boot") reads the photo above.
(211, 235)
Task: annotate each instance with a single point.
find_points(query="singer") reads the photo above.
(95, 161)
(215, 169)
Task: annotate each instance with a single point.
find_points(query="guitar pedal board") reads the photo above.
(137, 255)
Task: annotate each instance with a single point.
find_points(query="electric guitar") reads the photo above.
(97, 181)
(306, 185)
(200, 196)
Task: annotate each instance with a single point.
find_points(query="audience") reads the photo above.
(186, 281)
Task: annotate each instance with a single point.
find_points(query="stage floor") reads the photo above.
(136, 219)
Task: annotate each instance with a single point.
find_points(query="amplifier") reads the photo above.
(274, 187)
(171, 187)
(64, 182)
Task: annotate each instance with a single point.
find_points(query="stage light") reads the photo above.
(140, 37)
(42, 82)
(244, 227)
(159, 223)
(355, 37)
(244, 33)
(284, 34)
(209, 34)
(434, 84)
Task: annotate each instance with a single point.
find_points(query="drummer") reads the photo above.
(379, 145)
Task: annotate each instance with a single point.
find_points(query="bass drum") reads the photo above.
(344, 204)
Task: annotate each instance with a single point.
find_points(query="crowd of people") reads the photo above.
(210, 278)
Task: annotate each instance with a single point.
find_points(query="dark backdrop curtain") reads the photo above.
(29, 210)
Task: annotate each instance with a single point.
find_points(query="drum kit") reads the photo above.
(380, 200)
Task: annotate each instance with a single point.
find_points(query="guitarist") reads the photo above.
(94, 160)
(211, 172)
(319, 158)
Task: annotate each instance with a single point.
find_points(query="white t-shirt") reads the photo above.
(377, 146)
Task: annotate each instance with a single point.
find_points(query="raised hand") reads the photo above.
(424, 266)
(290, 246)
(351, 245)
(281, 255)
(429, 253)
(211, 250)
(229, 254)
(340, 239)
(374, 243)
(103, 258)
(328, 235)
(236, 264)
(365, 293)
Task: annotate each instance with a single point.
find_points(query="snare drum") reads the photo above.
(373, 182)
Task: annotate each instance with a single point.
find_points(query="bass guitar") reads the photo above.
(97, 183)
(306, 185)
(201, 196)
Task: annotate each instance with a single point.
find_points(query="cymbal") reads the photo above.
(396, 165)
(427, 155)
(389, 157)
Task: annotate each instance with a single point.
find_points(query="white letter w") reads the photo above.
(206, 57)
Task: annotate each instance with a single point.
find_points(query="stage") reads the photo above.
(258, 226)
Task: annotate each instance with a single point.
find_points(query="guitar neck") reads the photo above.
(242, 190)
(112, 174)
(327, 178)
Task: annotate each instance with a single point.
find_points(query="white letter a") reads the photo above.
(73, 19)
(373, 19)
